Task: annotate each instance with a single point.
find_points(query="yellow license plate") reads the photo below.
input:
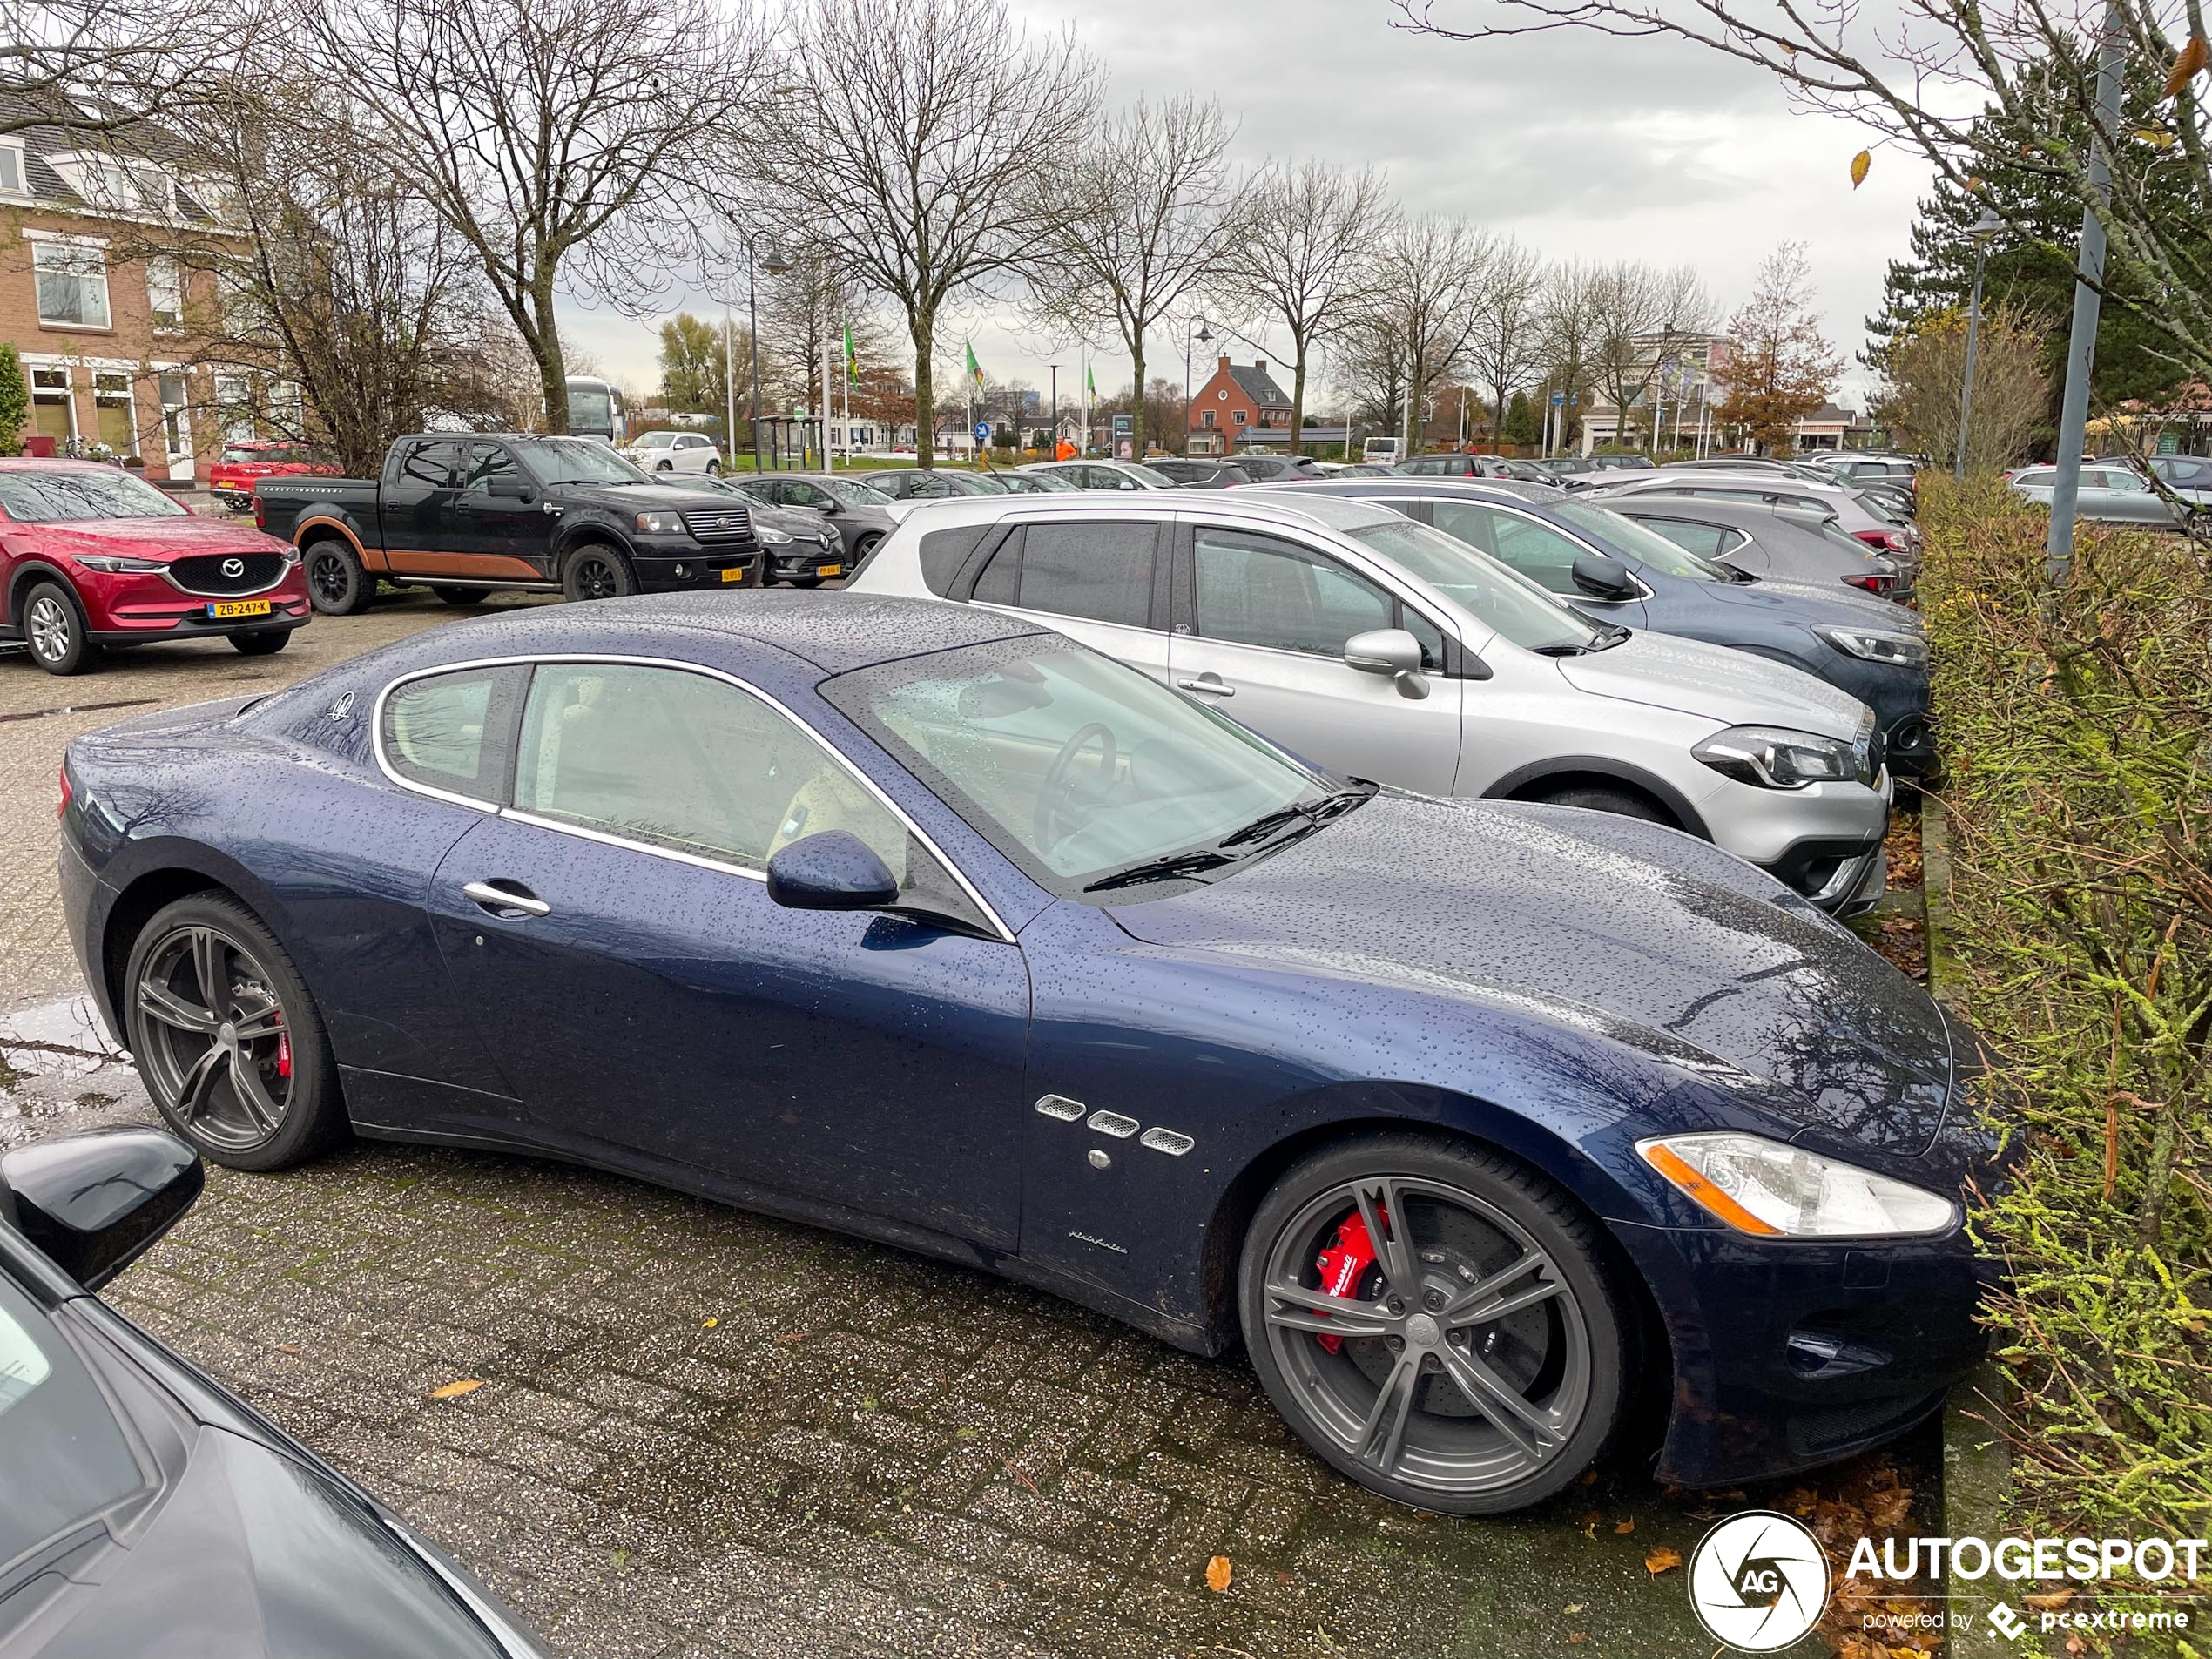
(829, 569)
(733, 576)
(223, 609)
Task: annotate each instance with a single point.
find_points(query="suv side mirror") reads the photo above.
(1389, 650)
(95, 1203)
(1607, 578)
(831, 870)
(512, 488)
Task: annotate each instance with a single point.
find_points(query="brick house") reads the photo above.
(1240, 407)
(98, 314)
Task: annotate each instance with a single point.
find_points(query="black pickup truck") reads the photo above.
(464, 513)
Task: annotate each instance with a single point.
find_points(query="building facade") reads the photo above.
(1240, 407)
(101, 318)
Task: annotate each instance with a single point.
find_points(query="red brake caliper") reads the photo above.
(1345, 1263)
(284, 1051)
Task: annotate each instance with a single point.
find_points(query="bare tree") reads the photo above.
(804, 312)
(1924, 371)
(913, 144)
(100, 67)
(1508, 339)
(541, 130)
(1142, 217)
(1571, 322)
(2001, 100)
(1299, 255)
(1640, 312)
(1424, 278)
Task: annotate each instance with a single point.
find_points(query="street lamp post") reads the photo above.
(1205, 334)
(1054, 455)
(1982, 230)
(775, 264)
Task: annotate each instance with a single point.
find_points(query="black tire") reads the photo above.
(1399, 1420)
(242, 1068)
(666, 466)
(1596, 797)
(596, 571)
(804, 580)
(54, 628)
(338, 582)
(862, 549)
(262, 644)
(714, 470)
(460, 595)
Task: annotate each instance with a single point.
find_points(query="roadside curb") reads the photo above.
(1977, 1461)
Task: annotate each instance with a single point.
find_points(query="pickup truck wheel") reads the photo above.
(597, 572)
(336, 581)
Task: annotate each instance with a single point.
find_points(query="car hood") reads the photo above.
(792, 521)
(1668, 671)
(1815, 607)
(1604, 923)
(253, 1556)
(644, 498)
(149, 538)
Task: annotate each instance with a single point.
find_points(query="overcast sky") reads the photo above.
(1580, 145)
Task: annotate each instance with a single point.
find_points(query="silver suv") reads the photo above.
(1388, 650)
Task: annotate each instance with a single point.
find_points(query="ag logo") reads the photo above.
(1759, 1582)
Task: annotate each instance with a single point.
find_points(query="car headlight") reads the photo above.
(291, 555)
(774, 538)
(1872, 646)
(114, 564)
(1775, 757)
(1774, 1190)
(661, 524)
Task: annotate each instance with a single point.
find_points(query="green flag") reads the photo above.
(1090, 381)
(851, 358)
(975, 368)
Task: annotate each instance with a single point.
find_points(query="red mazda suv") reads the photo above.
(91, 557)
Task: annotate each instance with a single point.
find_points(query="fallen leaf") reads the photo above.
(1624, 1528)
(1588, 1478)
(1576, 1638)
(2049, 1600)
(1860, 163)
(1218, 1572)
(454, 1390)
(1572, 1608)
(2188, 62)
(1032, 1485)
(1661, 1560)
(791, 1336)
(709, 1324)
(287, 1347)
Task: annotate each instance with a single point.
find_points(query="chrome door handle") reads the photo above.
(1210, 684)
(500, 901)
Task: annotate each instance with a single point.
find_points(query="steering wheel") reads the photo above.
(1059, 794)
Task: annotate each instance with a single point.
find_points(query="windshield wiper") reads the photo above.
(1610, 634)
(1165, 869)
(1314, 813)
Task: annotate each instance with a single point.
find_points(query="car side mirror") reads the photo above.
(831, 870)
(95, 1203)
(828, 507)
(1606, 578)
(1393, 652)
(512, 488)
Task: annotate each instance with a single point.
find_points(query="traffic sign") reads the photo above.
(982, 431)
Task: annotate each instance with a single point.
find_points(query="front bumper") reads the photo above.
(1823, 841)
(697, 567)
(136, 626)
(808, 559)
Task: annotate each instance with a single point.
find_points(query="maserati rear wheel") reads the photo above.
(1437, 1322)
(227, 1039)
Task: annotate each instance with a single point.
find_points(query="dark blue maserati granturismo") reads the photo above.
(1480, 1124)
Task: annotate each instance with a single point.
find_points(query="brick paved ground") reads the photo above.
(705, 1432)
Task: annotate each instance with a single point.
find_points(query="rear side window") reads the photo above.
(1099, 572)
(454, 732)
(1707, 541)
(942, 553)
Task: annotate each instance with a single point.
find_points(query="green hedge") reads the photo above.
(2077, 728)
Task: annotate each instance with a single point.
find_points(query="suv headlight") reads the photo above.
(661, 524)
(1775, 757)
(1774, 1190)
(115, 564)
(1872, 646)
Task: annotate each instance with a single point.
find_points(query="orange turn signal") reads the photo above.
(1678, 1170)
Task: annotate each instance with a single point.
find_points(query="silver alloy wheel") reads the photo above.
(212, 1039)
(1461, 1360)
(50, 624)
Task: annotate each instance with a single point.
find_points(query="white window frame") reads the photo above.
(159, 266)
(78, 247)
(20, 191)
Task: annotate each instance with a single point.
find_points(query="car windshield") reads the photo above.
(1149, 475)
(43, 496)
(853, 494)
(577, 461)
(1479, 584)
(1645, 546)
(655, 439)
(65, 1456)
(1076, 767)
(1035, 483)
